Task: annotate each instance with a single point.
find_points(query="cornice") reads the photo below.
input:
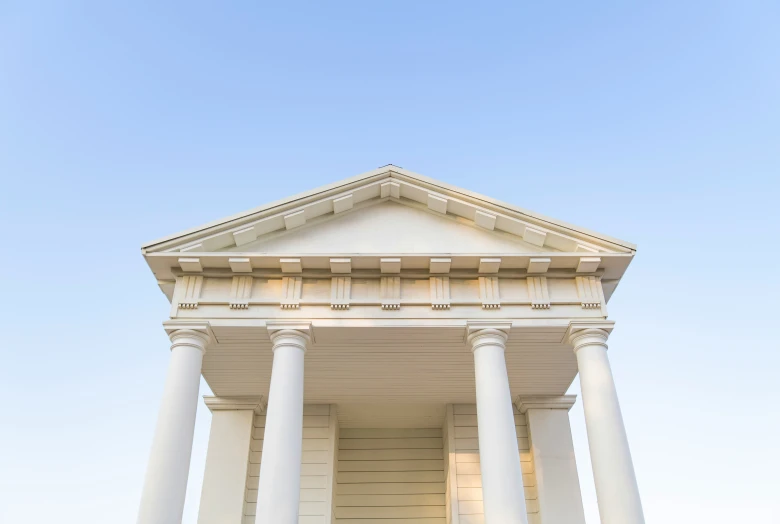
(256, 404)
(560, 402)
(609, 265)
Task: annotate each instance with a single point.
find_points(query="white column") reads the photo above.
(280, 470)
(502, 479)
(227, 460)
(162, 500)
(557, 483)
(613, 471)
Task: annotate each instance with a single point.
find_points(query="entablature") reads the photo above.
(365, 293)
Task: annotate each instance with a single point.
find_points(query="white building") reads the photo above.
(389, 349)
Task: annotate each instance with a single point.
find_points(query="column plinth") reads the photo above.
(502, 479)
(280, 470)
(613, 470)
(162, 499)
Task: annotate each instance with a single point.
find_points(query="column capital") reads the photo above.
(195, 334)
(290, 333)
(479, 333)
(581, 334)
(256, 404)
(552, 402)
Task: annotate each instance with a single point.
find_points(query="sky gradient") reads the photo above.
(658, 123)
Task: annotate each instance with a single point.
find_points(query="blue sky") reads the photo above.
(656, 122)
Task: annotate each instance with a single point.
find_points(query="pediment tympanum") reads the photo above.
(390, 227)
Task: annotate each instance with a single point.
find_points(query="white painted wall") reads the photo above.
(222, 495)
(320, 426)
(428, 474)
(558, 486)
(390, 475)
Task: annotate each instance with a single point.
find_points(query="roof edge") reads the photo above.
(288, 200)
(515, 209)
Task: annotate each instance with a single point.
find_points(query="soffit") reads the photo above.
(390, 365)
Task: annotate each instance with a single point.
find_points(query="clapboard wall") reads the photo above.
(390, 476)
(320, 447)
(464, 487)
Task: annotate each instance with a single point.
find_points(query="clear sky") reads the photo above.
(656, 122)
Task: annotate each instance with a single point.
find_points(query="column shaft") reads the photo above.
(502, 479)
(280, 469)
(162, 500)
(613, 470)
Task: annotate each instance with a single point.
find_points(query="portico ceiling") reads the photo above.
(391, 365)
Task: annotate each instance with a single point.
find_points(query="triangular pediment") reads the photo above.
(389, 227)
(393, 206)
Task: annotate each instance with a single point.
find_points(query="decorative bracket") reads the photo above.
(340, 291)
(488, 292)
(291, 292)
(390, 292)
(537, 291)
(240, 292)
(590, 292)
(192, 286)
(440, 292)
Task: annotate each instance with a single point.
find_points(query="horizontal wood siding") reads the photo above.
(390, 476)
(468, 476)
(316, 465)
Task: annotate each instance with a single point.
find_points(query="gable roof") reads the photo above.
(438, 194)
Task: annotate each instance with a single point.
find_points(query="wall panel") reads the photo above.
(389, 476)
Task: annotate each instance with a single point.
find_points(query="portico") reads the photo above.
(389, 349)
